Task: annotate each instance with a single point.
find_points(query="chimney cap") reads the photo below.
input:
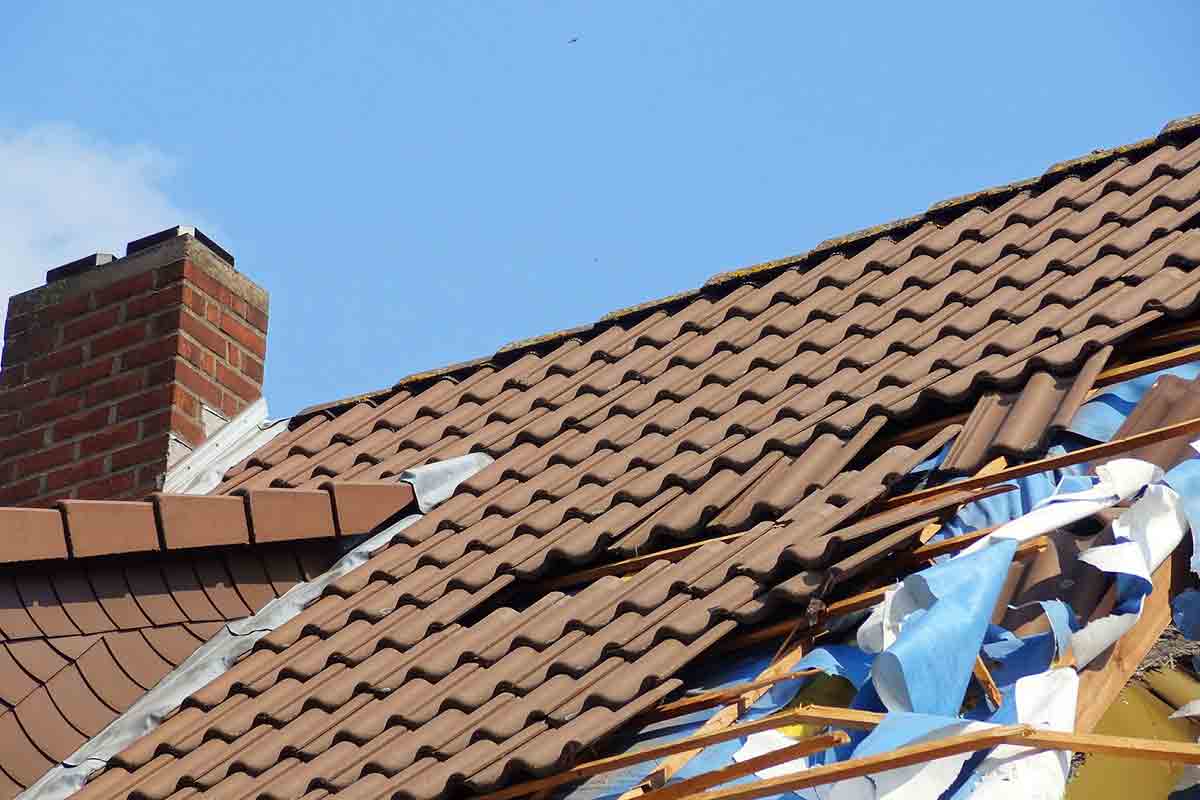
(78, 265)
(145, 242)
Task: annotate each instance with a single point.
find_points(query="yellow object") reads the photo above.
(1173, 685)
(1136, 712)
(823, 690)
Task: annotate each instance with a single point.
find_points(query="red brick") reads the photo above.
(148, 354)
(158, 301)
(17, 323)
(171, 273)
(193, 299)
(125, 288)
(91, 324)
(237, 384)
(12, 376)
(191, 378)
(109, 439)
(246, 336)
(24, 396)
(72, 379)
(196, 328)
(252, 368)
(75, 473)
(24, 442)
(22, 492)
(212, 312)
(143, 453)
(59, 360)
(209, 285)
(162, 372)
(230, 405)
(57, 408)
(118, 339)
(187, 427)
(108, 488)
(30, 345)
(120, 386)
(46, 459)
(174, 420)
(8, 425)
(65, 309)
(156, 399)
(71, 427)
(184, 400)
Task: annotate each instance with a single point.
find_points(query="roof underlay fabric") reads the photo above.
(766, 403)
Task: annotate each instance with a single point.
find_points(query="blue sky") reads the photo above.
(421, 184)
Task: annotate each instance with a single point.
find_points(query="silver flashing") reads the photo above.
(201, 471)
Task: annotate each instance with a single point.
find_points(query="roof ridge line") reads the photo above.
(860, 239)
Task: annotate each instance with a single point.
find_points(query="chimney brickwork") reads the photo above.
(111, 360)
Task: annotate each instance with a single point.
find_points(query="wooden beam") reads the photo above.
(717, 697)
(739, 769)
(1105, 450)
(702, 738)
(984, 676)
(1020, 735)
(722, 720)
(1104, 678)
(990, 468)
(857, 767)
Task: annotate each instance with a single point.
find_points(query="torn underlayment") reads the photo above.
(431, 484)
(919, 647)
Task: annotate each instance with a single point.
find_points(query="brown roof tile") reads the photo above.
(197, 521)
(1016, 423)
(100, 527)
(82, 640)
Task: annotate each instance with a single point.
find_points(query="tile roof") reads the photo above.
(762, 404)
(80, 642)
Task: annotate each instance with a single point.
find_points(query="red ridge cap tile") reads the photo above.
(278, 515)
(360, 507)
(201, 520)
(100, 527)
(31, 534)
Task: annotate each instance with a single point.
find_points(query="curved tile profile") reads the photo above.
(758, 405)
(81, 641)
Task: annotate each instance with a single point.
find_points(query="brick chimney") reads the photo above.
(117, 367)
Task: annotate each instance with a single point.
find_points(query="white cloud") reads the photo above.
(64, 195)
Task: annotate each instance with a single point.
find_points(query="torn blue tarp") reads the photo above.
(928, 631)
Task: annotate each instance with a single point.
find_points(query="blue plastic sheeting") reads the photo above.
(1185, 612)
(1006, 507)
(1100, 418)
(1184, 478)
(927, 669)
